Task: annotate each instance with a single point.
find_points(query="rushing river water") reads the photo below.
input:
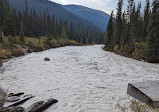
(82, 79)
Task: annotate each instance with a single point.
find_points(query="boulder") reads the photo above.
(46, 59)
(146, 92)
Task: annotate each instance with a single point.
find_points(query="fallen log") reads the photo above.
(41, 106)
(34, 106)
(17, 94)
(22, 100)
(46, 105)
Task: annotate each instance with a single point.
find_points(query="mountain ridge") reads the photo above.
(62, 12)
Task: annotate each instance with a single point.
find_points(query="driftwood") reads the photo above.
(13, 109)
(22, 100)
(17, 94)
(10, 102)
(40, 106)
(34, 106)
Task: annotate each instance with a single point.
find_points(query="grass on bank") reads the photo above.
(141, 107)
(13, 46)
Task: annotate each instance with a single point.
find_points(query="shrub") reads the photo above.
(4, 54)
(54, 43)
(139, 51)
(17, 52)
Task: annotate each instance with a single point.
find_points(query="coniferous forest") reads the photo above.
(134, 33)
(39, 31)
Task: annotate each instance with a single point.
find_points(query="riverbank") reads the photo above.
(82, 78)
(31, 45)
(138, 54)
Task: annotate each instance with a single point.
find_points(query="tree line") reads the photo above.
(29, 23)
(133, 33)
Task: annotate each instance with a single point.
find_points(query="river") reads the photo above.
(82, 79)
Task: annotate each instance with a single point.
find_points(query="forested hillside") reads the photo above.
(97, 17)
(134, 34)
(39, 31)
(45, 7)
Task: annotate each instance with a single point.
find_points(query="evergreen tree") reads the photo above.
(71, 31)
(125, 31)
(152, 41)
(146, 18)
(64, 32)
(26, 19)
(118, 24)
(109, 32)
(129, 10)
(8, 23)
(2, 12)
(21, 34)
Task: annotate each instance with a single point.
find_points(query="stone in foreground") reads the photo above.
(146, 92)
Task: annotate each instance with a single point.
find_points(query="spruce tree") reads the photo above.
(152, 51)
(2, 12)
(21, 34)
(8, 23)
(146, 19)
(125, 33)
(109, 32)
(118, 24)
(64, 32)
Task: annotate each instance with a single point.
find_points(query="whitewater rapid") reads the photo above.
(82, 79)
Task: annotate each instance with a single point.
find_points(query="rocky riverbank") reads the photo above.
(12, 102)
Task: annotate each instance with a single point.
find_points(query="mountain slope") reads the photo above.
(53, 9)
(97, 17)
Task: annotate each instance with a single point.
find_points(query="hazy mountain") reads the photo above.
(97, 17)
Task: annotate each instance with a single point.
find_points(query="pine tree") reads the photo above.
(109, 32)
(71, 31)
(64, 32)
(26, 19)
(129, 10)
(2, 12)
(118, 24)
(152, 51)
(21, 34)
(125, 31)
(146, 18)
(8, 23)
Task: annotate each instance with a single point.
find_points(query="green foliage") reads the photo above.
(152, 50)
(21, 34)
(64, 33)
(135, 35)
(118, 24)
(109, 32)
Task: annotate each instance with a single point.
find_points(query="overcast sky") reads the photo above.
(103, 5)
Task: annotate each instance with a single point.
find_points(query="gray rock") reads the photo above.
(146, 92)
(46, 59)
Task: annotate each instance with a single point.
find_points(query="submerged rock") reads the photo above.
(46, 59)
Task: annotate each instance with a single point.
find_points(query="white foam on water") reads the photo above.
(82, 79)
